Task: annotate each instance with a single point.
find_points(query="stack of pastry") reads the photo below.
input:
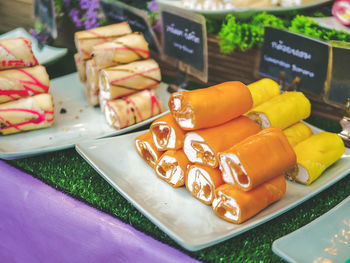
(224, 158)
(115, 65)
(24, 101)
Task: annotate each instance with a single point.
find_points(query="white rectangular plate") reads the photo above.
(80, 122)
(189, 222)
(326, 239)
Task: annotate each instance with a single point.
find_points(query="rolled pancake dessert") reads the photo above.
(263, 90)
(126, 111)
(257, 159)
(166, 134)
(124, 80)
(314, 155)
(92, 89)
(204, 108)
(146, 149)
(85, 40)
(122, 50)
(23, 82)
(81, 67)
(172, 167)
(236, 206)
(282, 111)
(16, 53)
(297, 133)
(201, 182)
(26, 114)
(202, 146)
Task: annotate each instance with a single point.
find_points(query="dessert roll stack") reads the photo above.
(314, 155)
(297, 133)
(16, 53)
(124, 80)
(263, 90)
(202, 146)
(23, 82)
(91, 85)
(146, 149)
(26, 114)
(80, 64)
(126, 111)
(204, 108)
(122, 50)
(85, 40)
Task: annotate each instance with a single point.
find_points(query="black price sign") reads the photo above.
(138, 20)
(44, 11)
(297, 56)
(185, 39)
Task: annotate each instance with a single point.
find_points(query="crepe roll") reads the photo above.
(201, 182)
(23, 82)
(202, 146)
(124, 80)
(91, 86)
(85, 40)
(146, 149)
(257, 159)
(297, 133)
(172, 167)
(314, 155)
(26, 114)
(126, 111)
(236, 206)
(204, 108)
(122, 50)
(166, 134)
(16, 53)
(282, 111)
(81, 67)
(263, 90)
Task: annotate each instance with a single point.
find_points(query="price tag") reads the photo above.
(44, 11)
(138, 20)
(185, 40)
(297, 56)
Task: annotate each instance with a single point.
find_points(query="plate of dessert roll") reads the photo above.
(225, 159)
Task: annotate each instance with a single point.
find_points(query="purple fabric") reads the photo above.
(40, 224)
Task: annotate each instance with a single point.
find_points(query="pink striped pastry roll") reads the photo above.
(16, 53)
(166, 133)
(26, 114)
(146, 149)
(236, 206)
(171, 167)
(85, 40)
(124, 80)
(202, 146)
(126, 111)
(201, 182)
(122, 50)
(23, 82)
(92, 89)
(81, 67)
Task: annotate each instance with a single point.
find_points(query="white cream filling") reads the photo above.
(225, 203)
(110, 117)
(177, 103)
(194, 154)
(183, 118)
(261, 119)
(170, 140)
(147, 147)
(172, 175)
(227, 175)
(235, 159)
(199, 178)
(302, 175)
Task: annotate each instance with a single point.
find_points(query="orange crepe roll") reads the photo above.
(297, 133)
(166, 134)
(23, 82)
(124, 80)
(126, 111)
(171, 167)
(16, 53)
(92, 89)
(122, 50)
(236, 206)
(146, 149)
(26, 114)
(202, 146)
(204, 108)
(257, 159)
(201, 182)
(85, 40)
(263, 90)
(81, 67)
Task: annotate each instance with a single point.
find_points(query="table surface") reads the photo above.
(67, 172)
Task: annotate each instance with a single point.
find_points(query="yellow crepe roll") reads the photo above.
(314, 155)
(297, 133)
(263, 90)
(282, 111)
